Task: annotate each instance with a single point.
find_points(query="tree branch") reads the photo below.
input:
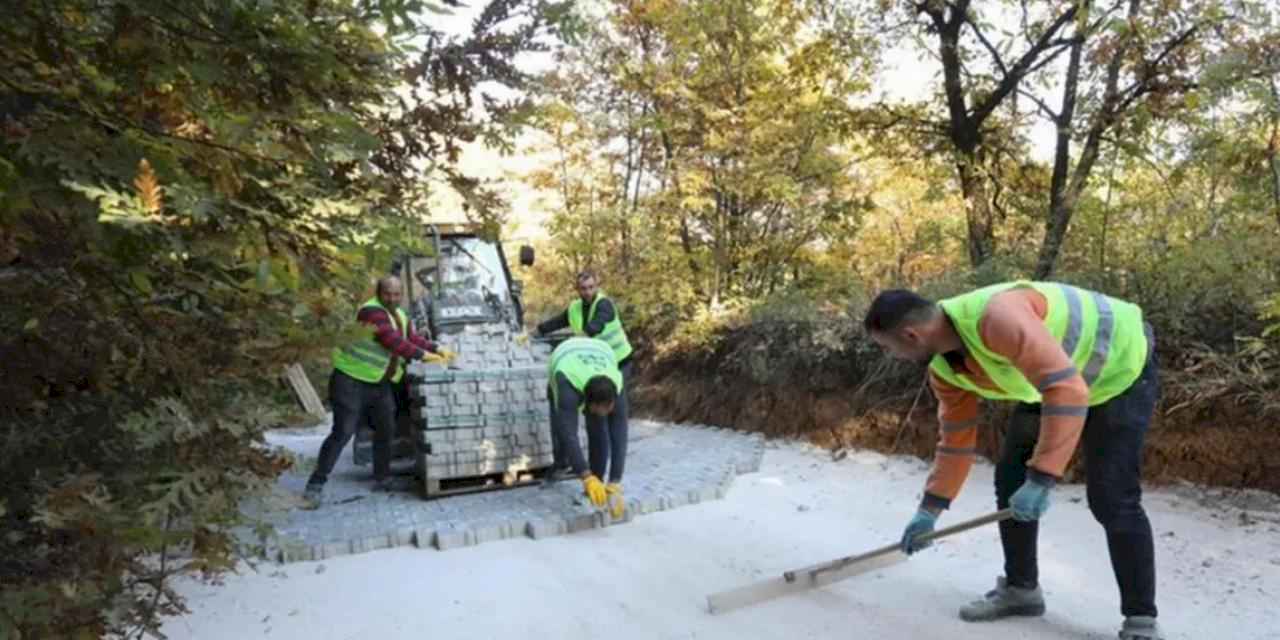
(1044, 107)
(1144, 83)
(995, 55)
(1021, 68)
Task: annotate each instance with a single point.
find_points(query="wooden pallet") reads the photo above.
(444, 487)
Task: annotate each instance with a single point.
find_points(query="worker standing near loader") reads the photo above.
(593, 314)
(583, 377)
(1081, 364)
(361, 385)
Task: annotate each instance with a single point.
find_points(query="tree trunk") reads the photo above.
(964, 134)
(1059, 206)
(1106, 116)
(1272, 148)
(965, 121)
(978, 210)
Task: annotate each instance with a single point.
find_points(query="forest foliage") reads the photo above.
(714, 159)
(194, 194)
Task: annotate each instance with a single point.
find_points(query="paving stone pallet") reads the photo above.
(485, 414)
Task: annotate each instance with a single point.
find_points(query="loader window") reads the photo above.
(472, 281)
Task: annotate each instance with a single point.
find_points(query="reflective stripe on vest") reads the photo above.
(365, 359)
(1104, 337)
(580, 360)
(613, 334)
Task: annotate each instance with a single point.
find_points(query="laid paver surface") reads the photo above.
(666, 468)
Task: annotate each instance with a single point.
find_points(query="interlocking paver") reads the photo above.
(667, 467)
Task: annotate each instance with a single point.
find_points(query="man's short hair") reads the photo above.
(895, 308)
(586, 274)
(600, 390)
(386, 280)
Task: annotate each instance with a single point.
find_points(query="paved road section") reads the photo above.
(667, 468)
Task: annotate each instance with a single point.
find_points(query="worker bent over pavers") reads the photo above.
(1082, 365)
(583, 377)
(594, 315)
(362, 384)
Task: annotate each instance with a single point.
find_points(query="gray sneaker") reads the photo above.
(1004, 601)
(313, 496)
(1140, 628)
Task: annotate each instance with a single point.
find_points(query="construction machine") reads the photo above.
(481, 421)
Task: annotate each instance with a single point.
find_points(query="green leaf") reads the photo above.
(31, 324)
(138, 278)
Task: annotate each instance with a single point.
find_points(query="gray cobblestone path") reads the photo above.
(667, 467)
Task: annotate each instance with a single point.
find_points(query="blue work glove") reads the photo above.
(1031, 500)
(920, 524)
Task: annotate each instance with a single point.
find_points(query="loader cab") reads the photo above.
(466, 282)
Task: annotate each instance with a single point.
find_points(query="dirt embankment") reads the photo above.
(1219, 443)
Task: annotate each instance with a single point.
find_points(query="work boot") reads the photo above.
(556, 475)
(1004, 601)
(1140, 628)
(312, 496)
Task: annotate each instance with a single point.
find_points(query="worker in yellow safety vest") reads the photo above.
(361, 386)
(1081, 365)
(593, 314)
(582, 377)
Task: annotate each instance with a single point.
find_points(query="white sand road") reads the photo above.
(1219, 571)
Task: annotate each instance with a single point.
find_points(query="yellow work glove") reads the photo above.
(522, 339)
(448, 355)
(617, 503)
(433, 358)
(594, 489)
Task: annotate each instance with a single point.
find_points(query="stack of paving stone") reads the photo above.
(486, 413)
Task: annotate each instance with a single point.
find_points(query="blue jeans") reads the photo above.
(1113, 438)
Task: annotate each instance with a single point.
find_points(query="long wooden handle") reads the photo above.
(814, 571)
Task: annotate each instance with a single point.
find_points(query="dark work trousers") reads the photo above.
(559, 457)
(617, 433)
(352, 401)
(567, 450)
(607, 437)
(1113, 437)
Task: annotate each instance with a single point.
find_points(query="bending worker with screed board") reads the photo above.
(1082, 365)
(584, 378)
(594, 315)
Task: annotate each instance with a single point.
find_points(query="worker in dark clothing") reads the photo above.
(594, 315)
(362, 384)
(582, 377)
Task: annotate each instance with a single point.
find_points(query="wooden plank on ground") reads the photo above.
(303, 391)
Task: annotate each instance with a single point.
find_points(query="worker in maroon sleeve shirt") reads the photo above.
(361, 386)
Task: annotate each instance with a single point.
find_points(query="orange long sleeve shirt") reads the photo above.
(1013, 326)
